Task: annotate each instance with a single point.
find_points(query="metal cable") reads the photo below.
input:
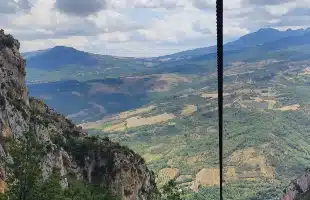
(219, 29)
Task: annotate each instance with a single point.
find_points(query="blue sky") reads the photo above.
(143, 15)
(141, 27)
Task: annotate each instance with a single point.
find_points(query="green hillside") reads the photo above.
(266, 139)
(167, 112)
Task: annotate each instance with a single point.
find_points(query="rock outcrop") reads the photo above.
(97, 160)
(299, 189)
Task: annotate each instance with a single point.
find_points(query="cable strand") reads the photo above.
(219, 28)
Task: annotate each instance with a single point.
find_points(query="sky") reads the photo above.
(142, 28)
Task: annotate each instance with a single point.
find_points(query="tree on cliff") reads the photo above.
(23, 166)
(24, 176)
(170, 191)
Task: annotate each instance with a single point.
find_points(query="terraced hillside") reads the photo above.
(266, 140)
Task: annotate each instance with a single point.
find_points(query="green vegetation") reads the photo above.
(279, 139)
(240, 191)
(25, 178)
(25, 181)
(171, 192)
(265, 146)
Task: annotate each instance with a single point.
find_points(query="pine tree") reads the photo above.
(171, 192)
(25, 180)
(23, 169)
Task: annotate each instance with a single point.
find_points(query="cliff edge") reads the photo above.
(299, 189)
(73, 152)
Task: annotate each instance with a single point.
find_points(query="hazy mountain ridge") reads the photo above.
(89, 66)
(49, 59)
(262, 36)
(293, 47)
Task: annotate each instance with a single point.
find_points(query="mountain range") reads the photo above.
(262, 36)
(42, 61)
(165, 108)
(64, 72)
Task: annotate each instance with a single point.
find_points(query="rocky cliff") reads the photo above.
(299, 189)
(72, 152)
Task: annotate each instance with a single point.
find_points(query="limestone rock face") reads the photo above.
(72, 152)
(13, 91)
(299, 189)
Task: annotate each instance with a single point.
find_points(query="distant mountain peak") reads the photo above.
(60, 56)
(253, 39)
(267, 30)
(59, 48)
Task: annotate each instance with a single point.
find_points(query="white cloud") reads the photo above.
(13, 6)
(116, 37)
(180, 24)
(141, 27)
(40, 15)
(76, 41)
(234, 31)
(204, 3)
(80, 7)
(158, 3)
(111, 20)
(233, 4)
(278, 10)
